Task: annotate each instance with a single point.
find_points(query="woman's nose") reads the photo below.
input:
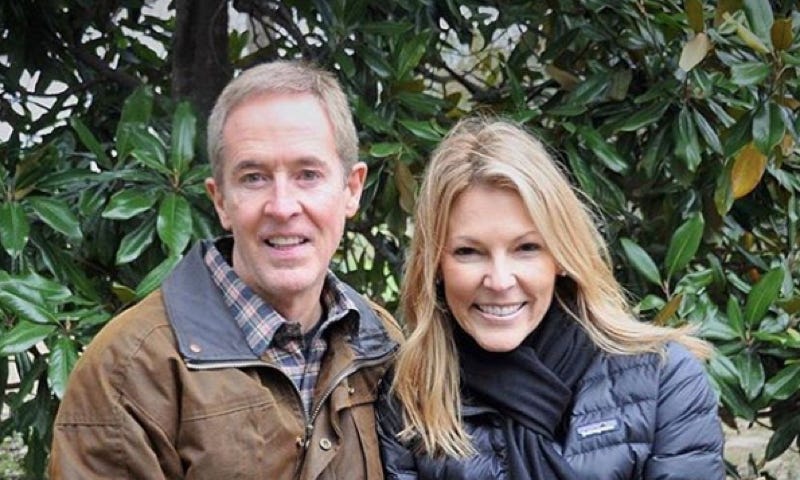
(500, 276)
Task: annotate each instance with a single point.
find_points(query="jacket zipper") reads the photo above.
(309, 430)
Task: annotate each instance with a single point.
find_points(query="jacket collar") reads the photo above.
(207, 332)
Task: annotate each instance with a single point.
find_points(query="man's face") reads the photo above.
(285, 197)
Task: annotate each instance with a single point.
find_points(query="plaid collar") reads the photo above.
(259, 322)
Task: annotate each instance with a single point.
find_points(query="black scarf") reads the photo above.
(531, 386)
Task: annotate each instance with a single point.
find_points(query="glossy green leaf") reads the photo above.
(148, 149)
(129, 203)
(708, 133)
(760, 18)
(687, 144)
(156, 276)
(174, 223)
(411, 53)
(90, 201)
(57, 215)
(90, 141)
(15, 227)
(749, 73)
(643, 117)
(607, 154)
(25, 308)
(136, 241)
(733, 398)
(784, 384)
(782, 438)
(34, 287)
(714, 328)
(421, 129)
(768, 127)
(382, 150)
(763, 294)
(63, 356)
(588, 91)
(641, 261)
(751, 373)
(735, 317)
(376, 62)
(23, 336)
(184, 130)
(684, 244)
(136, 110)
(726, 378)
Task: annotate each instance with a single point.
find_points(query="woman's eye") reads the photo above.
(529, 247)
(464, 251)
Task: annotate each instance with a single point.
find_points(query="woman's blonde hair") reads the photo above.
(481, 151)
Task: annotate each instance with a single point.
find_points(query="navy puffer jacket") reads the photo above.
(635, 417)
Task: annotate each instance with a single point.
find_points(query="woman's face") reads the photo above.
(498, 276)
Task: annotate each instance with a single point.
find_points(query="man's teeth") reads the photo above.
(285, 241)
(500, 310)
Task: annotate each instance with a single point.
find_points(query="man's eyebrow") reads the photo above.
(247, 165)
(309, 161)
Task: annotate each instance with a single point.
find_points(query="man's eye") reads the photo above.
(253, 177)
(309, 175)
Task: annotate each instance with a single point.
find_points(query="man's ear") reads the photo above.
(355, 185)
(217, 196)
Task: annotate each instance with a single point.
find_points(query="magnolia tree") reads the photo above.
(678, 119)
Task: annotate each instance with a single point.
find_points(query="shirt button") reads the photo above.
(351, 390)
(299, 441)
(195, 348)
(325, 444)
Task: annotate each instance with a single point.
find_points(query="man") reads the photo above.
(252, 360)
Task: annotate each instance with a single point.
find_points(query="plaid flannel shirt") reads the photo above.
(270, 334)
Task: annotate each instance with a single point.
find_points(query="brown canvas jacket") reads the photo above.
(170, 390)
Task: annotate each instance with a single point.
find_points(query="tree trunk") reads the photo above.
(200, 63)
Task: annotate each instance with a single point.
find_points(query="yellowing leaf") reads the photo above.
(723, 7)
(694, 51)
(668, 311)
(787, 145)
(748, 168)
(567, 80)
(790, 102)
(747, 36)
(694, 15)
(781, 34)
(406, 186)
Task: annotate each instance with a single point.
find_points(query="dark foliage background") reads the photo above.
(679, 119)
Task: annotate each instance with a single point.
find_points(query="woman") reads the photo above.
(523, 360)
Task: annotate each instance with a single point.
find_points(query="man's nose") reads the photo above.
(283, 201)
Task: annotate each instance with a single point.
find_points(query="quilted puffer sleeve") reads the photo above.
(398, 461)
(688, 439)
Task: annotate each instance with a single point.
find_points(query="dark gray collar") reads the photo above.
(207, 332)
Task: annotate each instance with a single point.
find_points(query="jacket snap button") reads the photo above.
(299, 441)
(325, 444)
(195, 348)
